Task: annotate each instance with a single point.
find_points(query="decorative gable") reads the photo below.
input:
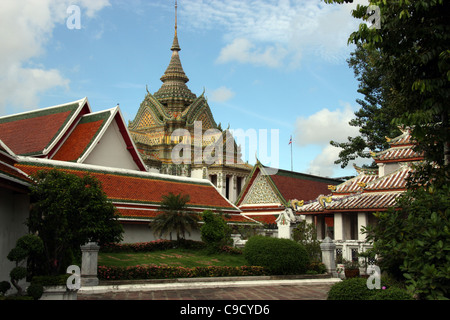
(261, 192)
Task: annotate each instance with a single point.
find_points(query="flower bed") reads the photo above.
(168, 272)
(151, 246)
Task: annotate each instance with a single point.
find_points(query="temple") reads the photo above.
(174, 116)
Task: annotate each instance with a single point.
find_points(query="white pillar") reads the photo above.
(338, 227)
(233, 183)
(362, 222)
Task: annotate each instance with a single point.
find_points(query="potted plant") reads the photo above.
(351, 268)
(367, 256)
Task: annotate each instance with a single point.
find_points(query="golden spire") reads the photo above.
(175, 45)
(174, 79)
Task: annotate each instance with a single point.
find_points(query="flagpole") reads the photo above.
(292, 165)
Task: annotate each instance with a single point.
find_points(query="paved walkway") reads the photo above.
(289, 289)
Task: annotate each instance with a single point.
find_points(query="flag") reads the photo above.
(290, 141)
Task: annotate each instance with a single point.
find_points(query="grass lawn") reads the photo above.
(187, 258)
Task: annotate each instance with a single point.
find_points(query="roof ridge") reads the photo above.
(44, 109)
(120, 171)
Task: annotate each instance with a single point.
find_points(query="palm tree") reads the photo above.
(175, 217)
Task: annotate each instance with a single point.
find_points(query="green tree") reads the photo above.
(175, 217)
(215, 232)
(414, 242)
(377, 107)
(68, 211)
(27, 249)
(413, 42)
(306, 234)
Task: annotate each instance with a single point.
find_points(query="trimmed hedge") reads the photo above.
(356, 289)
(168, 272)
(278, 256)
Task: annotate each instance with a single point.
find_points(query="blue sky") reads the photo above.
(264, 64)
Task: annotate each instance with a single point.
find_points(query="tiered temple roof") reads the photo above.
(67, 132)
(370, 191)
(171, 107)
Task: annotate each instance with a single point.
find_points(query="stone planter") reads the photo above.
(59, 293)
(351, 273)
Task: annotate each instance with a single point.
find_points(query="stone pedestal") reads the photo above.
(89, 264)
(328, 248)
(284, 221)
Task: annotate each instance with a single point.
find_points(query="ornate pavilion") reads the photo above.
(350, 206)
(169, 117)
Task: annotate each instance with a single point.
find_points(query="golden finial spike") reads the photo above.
(176, 15)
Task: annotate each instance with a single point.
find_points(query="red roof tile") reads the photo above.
(32, 132)
(394, 181)
(126, 186)
(357, 202)
(290, 185)
(78, 141)
(301, 186)
(263, 218)
(32, 136)
(398, 154)
(355, 184)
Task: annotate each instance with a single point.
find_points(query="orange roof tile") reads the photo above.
(127, 186)
(82, 136)
(264, 218)
(31, 133)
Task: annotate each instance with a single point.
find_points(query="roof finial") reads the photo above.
(176, 15)
(175, 45)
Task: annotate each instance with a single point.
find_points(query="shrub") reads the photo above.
(27, 247)
(35, 290)
(316, 268)
(60, 280)
(279, 256)
(231, 250)
(392, 293)
(350, 289)
(168, 272)
(306, 234)
(152, 246)
(215, 232)
(356, 289)
(4, 287)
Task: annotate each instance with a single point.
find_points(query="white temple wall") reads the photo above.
(111, 151)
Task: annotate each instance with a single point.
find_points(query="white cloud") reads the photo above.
(276, 32)
(319, 129)
(221, 94)
(323, 164)
(325, 125)
(26, 27)
(243, 51)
